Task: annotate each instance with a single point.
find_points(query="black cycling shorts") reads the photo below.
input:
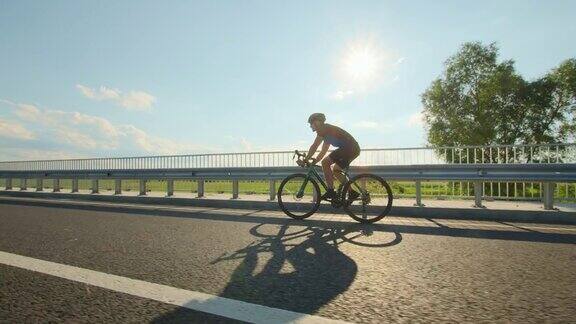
(344, 155)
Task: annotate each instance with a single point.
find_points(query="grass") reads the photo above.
(439, 190)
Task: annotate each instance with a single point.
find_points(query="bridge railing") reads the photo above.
(479, 171)
(547, 175)
(499, 154)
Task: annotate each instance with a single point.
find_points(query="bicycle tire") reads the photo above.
(386, 209)
(315, 205)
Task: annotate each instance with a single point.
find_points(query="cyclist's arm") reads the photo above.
(314, 147)
(323, 151)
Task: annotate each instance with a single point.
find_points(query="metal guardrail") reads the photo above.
(548, 174)
(464, 172)
(544, 165)
(495, 154)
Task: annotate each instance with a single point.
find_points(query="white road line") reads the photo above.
(194, 300)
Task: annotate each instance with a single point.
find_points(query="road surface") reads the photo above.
(323, 268)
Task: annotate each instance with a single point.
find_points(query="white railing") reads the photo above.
(518, 154)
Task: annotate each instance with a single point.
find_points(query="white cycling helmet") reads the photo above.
(319, 116)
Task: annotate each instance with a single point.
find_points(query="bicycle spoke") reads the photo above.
(296, 196)
(374, 198)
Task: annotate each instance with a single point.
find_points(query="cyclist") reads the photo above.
(347, 150)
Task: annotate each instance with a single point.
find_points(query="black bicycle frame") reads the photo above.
(312, 173)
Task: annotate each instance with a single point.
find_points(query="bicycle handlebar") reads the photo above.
(296, 152)
(301, 157)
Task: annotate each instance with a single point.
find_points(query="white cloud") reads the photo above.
(82, 140)
(366, 124)
(137, 100)
(416, 119)
(102, 93)
(88, 132)
(15, 130)
(28, 112)
(74, 128)
(101, 125)
(341, 94)
(133, 100)
(154, 144)
(19, 154)
(400, 61)
(7, 102)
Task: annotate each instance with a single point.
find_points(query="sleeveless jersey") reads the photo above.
(336, 136)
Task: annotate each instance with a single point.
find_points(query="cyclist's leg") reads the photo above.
(334, 158)
(328, 174)
(343, 160)
(338, 173)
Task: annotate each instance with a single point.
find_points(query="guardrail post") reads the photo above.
(548, 197)
(419, 194)
(74, 185)
(118, 187)
(23, 184)
(272, 190)
(235, 189)
(200, 188)
(95, 186)
(142, 187)
(39, 184)
(170, 187)
(56, 185)
(478, 194)
(9, 184)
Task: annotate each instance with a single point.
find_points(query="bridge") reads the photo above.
(529, 172)
(73, 250)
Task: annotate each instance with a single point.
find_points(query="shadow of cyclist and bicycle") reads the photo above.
(300, 265)
(295, 267)
(435, 227)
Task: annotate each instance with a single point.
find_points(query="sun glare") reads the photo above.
(361, 63)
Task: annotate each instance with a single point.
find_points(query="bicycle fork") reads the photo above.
(300, 193)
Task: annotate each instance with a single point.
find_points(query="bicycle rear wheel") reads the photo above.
(373, 202)
(298, 196)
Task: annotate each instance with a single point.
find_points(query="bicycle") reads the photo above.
(366, 197)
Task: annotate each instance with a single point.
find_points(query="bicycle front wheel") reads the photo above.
(298, 196)
(367, 198)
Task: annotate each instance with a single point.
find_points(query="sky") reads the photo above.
(133, 78)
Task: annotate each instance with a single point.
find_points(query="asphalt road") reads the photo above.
(400, 270)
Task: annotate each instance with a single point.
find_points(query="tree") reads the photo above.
(551, 106)
(473, 102)
(479, 101)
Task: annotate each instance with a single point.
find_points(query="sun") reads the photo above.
(361, 63)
